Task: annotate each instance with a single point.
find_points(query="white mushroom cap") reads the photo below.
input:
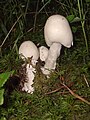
(57, 29)
(43, 53)
(29, 49)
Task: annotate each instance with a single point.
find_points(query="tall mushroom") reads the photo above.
(57, 32)
(29, 51)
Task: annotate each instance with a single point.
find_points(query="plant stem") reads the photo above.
(10, 31)
(82, 17)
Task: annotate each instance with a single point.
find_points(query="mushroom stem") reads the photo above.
(30, 75)
(53, 54)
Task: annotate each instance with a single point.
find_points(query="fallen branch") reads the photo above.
(76, 95)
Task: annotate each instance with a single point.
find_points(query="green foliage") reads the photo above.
(53, 107)
(1, 96)
(3, 118)
(3, 78)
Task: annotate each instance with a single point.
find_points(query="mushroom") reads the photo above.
(57, 32)
(43, 53)
(29, 51)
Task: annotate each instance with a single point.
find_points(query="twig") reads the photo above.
(86, 80)
(75, 95)
(56, 90)
(10, 31)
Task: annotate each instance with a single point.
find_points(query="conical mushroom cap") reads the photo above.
(29, 49)
(57, 29)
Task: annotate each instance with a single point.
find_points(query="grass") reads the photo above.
(57, 106)
(50, 101)
(45, 104)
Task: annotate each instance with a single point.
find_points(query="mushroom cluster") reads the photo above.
(57, 32)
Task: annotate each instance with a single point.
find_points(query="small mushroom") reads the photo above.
(29, 51)
(57, 32)
(43, 53)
